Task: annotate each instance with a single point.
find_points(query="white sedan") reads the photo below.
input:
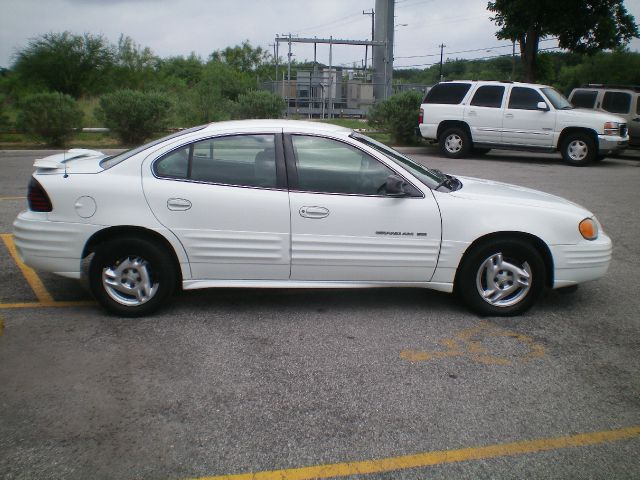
(288, 204)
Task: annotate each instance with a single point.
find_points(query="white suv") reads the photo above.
(472, 117)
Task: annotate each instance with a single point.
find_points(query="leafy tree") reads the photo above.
(188, 70)
(583, 26)
(399, 115)
(244, 58)
(50, 117)
(260, 104)
(67, 63)
(134, 65)
(133, 115)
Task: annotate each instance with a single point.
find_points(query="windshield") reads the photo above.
(558, 100)
(112, 161)
(431, 178)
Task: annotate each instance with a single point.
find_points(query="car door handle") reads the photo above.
(508, 115)
(637, 119)
(314, 212)
(178, 204)
(473, 113)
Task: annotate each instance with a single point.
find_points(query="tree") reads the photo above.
(66, 63)
(399, 115)
(582, 26)
(134, 65)
(50, 116)
(241, 57)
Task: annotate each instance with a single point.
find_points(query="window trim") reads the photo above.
(292, 169)
(281, 173)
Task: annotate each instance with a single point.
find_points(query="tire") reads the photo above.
(510, 268)
(132, 277)
(578, 149)
(455, 142)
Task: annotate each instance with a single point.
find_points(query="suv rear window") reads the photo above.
(448, 93)
(584, 98)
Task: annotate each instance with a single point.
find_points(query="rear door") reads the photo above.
(225, 198)
(484, 114)
(345, 227)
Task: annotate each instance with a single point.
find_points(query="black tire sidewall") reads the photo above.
(511, 249)
(466, 142)
(161, 265)
(591, 145)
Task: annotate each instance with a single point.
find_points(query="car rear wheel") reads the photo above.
(578, 149)
(455, 142)
(501, 277)
(131, 277)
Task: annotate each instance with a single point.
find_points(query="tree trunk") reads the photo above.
(529, 53)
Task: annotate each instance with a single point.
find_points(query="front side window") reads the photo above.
(584, 98)
(523, 98)
(616, 102)
(243, 160)
(329, 166)
(488, 96)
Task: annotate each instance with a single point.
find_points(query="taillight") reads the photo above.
(38, 198)
(421, 116)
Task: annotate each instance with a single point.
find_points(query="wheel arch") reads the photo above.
(122, 231)
(535, 241)
(573, 130)
(444, 125)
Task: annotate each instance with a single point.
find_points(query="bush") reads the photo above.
(50, 117)
(134, 116)
(398, 115)
(260, 104)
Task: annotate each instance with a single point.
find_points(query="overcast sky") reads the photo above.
(179, 27)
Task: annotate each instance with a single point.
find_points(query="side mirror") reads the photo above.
(543, 106)
(394, 186)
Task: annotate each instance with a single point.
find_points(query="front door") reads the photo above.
(345, 227)
(524, 124)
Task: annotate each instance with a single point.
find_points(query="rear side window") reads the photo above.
(523, 98)
(447, 93)
(488, 96)
(584, 98)
(616, 102)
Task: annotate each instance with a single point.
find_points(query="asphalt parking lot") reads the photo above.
(371, 384)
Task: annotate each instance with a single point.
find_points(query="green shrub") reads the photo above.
(259, 104)
(398, 115)
(50, 117)
(134, 116)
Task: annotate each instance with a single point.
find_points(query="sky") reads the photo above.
(180, 27)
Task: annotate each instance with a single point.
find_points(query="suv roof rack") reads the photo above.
(635, 88)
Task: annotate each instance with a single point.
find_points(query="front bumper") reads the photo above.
(579, 263)
(611, 144)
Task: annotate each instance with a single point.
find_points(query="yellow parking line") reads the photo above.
(32, 278)
(55, 304)
(427, 459)
(12, 198)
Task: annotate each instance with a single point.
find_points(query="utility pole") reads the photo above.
(442, 45)
(383, 53)
(366, 47)
(513, 61)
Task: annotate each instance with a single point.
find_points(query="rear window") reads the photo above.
(616, 102)
(447, 93)
(584, 98)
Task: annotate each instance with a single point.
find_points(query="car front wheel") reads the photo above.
(131, 277)
(455, 142)
(578, 149)
(501, 277)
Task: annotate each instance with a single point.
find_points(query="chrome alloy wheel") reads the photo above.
(453, 143)
(501, 283)
(577, 150)
(128, 282)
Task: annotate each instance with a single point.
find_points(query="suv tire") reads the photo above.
(455, 142)
(578, 149)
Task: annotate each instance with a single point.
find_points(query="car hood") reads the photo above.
(76, 160)
(506, 194)
(595, 115)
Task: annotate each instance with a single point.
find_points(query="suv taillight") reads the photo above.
(421, 116)
(37, 197)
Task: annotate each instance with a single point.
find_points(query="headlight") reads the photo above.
(588, 228)
(611, 128)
